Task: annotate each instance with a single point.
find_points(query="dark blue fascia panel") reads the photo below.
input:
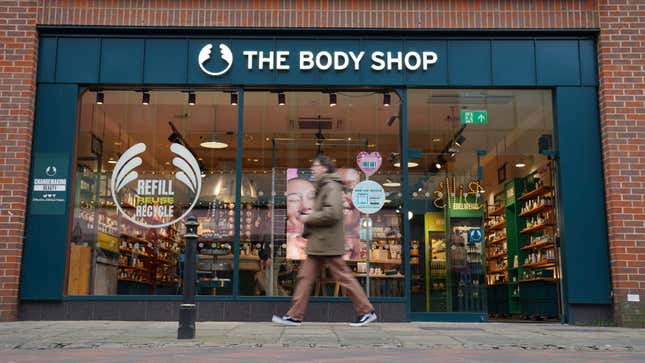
(122, 60)
(469, 63)
(558, 62)
(438, 73)
(45, 248)
(513, 62)
(461, 62)
(588, 63)
(165, 61)
(584, 228)
(47, 59)
(77, 60)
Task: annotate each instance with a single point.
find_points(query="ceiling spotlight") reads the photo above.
(437, 165)
(411, 164)
(460, 140)
(145, 98)
(192, 98)
(391, 120)
(282, 99)
(233, 99)
(332, 99)
(520, 165)
(111, 160)
(386, 100)
(436, 139)
(100, 97)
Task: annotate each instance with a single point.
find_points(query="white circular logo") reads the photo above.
(151, 202)
(368, 196)
(51, 170)
(225, 54)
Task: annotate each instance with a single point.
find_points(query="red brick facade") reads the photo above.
(622, 111)
(622, 99)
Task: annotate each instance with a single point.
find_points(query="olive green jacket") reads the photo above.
(324, 227)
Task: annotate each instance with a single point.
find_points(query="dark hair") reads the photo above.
(327, 162)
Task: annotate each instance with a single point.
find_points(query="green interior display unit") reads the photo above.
(436, 280)
(512, 190)
(465, 254)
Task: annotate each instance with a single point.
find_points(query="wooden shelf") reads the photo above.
(538, 246)
(537, 192)
(536, 210)
(381, 276)
(498, 284)
(497, 212)
(541, 264)
(539, 279)
(138, 282)
(497, 272)
(497, 255)
(497, 226)
(242, 258)
(497, 241)
(536, 228)
(134, 268)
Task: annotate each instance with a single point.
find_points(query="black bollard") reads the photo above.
(187, 310)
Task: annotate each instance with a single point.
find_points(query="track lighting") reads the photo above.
(459, 141)
(100, 97)
(332, 99)
(192, 98)
(233, 99)
(391, 120)
(386, 100)
(145, 98)
(282, 99)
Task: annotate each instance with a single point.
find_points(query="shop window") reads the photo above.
(144, 161)
(483, 197)
(283, 132)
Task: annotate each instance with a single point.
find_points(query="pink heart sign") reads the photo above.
(369, 163)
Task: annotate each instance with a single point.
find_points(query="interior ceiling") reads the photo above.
(516, 119)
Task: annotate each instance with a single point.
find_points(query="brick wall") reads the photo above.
(18, 46)
(408, 14)
(622, 107)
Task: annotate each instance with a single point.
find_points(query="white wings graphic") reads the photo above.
(124, 170)
(189, 173)
(205, 54)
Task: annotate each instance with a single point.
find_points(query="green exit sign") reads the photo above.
(474, 117)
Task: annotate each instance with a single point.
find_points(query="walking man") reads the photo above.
(323, 227)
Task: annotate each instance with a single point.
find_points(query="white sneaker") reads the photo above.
(286, 320)
(364, 319)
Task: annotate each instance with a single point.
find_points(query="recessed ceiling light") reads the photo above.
(520, 165)
(214, 144)
(436, 139)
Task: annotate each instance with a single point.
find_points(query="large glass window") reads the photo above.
(483, 197)
(283, 132)
(144, 161)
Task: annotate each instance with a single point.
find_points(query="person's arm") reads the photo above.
(332, 207)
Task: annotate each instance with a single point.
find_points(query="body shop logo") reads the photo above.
(150, 202)
(225, 55)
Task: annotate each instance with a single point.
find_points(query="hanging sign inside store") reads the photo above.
(305, 60)
(368, 196)
(474, 117)
(369, 163)
(49, 188)
(150, 202)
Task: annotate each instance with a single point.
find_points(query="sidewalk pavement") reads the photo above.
(55, 335)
